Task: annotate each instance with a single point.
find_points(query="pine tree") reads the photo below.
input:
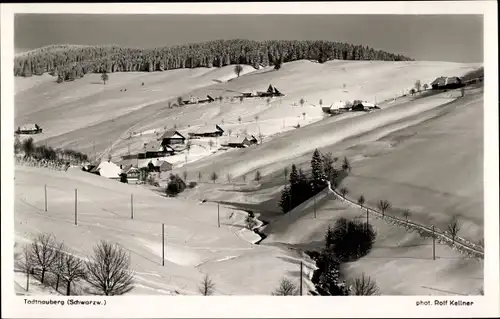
(285, 200)
(317, 170)
(294, 176)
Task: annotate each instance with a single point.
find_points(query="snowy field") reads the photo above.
(423, 154)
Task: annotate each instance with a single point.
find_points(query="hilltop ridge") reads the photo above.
(70, 62)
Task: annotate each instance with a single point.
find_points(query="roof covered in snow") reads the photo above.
(109, 169)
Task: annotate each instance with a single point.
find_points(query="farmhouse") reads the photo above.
(132, 173)
(109, 170)
(207, 131)
(156, 149)
(159, 166)
(443, 82)
(363, 106)
(29, 129)
(172, 137)
(271, 91)
(237, 142)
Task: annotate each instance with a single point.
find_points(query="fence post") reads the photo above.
(131, 206)
(433, 244)
(301, 280)
(163, 244)
(45, 189)
(76, 206)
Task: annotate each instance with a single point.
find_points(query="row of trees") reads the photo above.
(302, 187)
(72, 62)
(107, 272)
(40, 152)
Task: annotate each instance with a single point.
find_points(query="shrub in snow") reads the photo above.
(350, 240)
(192, 184)
(175, 185)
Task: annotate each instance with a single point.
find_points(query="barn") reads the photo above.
(156, 149)
(443, 82)
(207, 131)
(172, 137)
(237, 142)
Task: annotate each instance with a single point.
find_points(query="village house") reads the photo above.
(108, 169)
(236, 142)
(442, 82)
(132, 173)
(156, 149)
(271, 91)
(29, 129)
(159, 166)
(172, 137)
(207, 131)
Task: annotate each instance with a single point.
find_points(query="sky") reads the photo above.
(455, 38)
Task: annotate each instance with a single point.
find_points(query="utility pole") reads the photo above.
(433, 244)
(314, 206)
(131, 206)
(163, 244)
(367, 221)
(301, 280)
(45, 188)
(218, 215)
(76, 206)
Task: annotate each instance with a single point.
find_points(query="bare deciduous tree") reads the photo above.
(199, 176)
(406, 215)
(344, 191)
(364, 286)
(302, 101)
(108, 271)
(189, 144)
(258, 176)
(44, 253)
(214, 177)
(285, 172)
(58, 266)
(454, 227)
(211, 143)
(286, 288)
(228, 177)
(26, 264)
(207, 286)
(361, 201)
(418, 85)
(383, 205)
(73, 269)
(238, 69)
(244, 178)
